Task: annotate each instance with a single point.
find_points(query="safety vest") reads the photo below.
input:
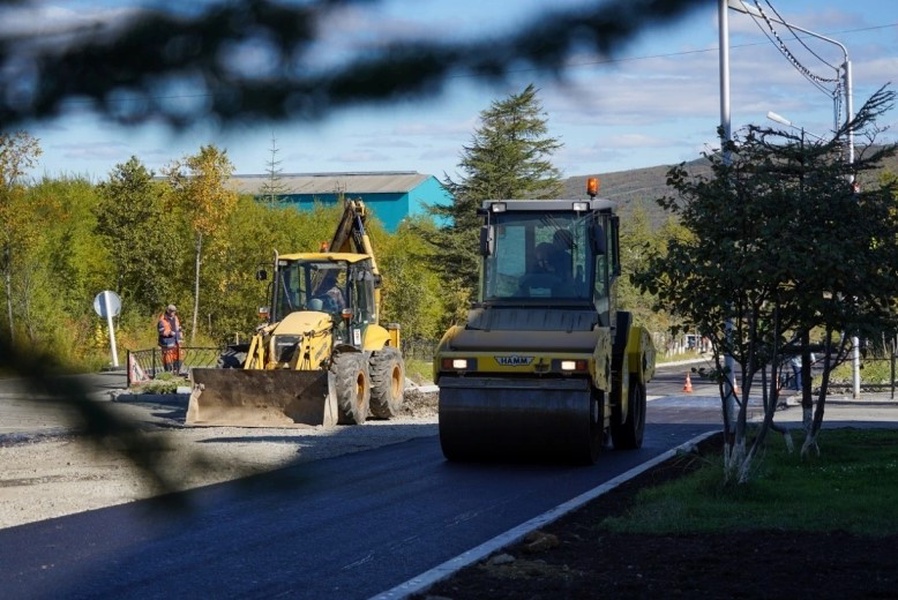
(169, 328)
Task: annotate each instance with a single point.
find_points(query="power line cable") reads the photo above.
(816, 80)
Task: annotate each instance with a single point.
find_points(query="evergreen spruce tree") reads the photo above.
(508, 158)
(273, 187)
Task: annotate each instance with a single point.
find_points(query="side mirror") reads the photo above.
(487, 241)
(261, 275)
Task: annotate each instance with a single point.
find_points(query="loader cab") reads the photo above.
(308, 284)
(339, 284)
(562, 253)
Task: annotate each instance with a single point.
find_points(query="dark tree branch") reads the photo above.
(182, 69)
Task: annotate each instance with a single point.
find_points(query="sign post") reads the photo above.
(108, 304)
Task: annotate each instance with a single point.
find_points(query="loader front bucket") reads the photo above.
(261, 398)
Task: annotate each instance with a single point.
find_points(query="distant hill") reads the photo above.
(636, 186)
(644, 186)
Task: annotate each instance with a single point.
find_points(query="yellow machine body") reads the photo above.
(546, 367)
(322, 358)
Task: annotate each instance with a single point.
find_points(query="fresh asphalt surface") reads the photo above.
(353, 526)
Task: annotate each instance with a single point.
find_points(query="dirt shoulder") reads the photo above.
(51, 471)
(574, 558)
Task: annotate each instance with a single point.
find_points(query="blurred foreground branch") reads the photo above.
(181, 69)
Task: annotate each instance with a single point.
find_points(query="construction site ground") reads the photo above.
(49, 471)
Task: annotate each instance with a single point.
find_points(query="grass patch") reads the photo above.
(419, 371)
(873, 372)
(851, 486)
(164, 383)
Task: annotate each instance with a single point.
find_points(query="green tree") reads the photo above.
(638, 241)
(200, 189)
(141, 238)
(508, 158)
(66, 267)
(18, 153)
(412, 294)
(779, 243)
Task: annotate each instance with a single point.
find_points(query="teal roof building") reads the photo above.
(390, 196)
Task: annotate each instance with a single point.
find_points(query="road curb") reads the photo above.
(445, 570)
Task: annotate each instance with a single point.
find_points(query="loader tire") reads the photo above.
(387, 382)
(233, 357)
(352, 385)
(627, 434)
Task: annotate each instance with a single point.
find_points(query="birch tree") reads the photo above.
(200, 188)
(18, 153)
(779, 243)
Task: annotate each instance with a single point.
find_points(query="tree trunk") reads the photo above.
(196, 286)
(8, 281)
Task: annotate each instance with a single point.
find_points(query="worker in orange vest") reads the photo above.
(169, 327)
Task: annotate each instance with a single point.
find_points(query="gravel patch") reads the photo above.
(56, 471)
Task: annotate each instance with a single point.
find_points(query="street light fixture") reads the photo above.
(779, 119)
(784, 121)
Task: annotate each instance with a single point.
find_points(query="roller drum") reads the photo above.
(495, 419)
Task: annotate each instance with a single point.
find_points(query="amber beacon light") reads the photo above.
(592, 186)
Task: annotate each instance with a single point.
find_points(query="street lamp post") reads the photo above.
(729, 404)
(845, 70)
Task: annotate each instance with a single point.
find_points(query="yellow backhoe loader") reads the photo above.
(546, 367)
(322, 357)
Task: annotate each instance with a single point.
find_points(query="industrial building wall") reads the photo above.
(388, 208)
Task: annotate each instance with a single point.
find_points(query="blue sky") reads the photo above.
(657, 103)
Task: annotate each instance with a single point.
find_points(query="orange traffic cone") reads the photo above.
(688, 385)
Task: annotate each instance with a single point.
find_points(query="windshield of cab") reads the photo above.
(310, 285)
(537, 256)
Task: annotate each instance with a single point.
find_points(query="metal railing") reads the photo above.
(879, 373)
(418, 349)
(144, 365)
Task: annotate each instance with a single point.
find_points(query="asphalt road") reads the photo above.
(20, 414)
(346, 527)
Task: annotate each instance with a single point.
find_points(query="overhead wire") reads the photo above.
(777, 41)
(797, 37)
(837, 91)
